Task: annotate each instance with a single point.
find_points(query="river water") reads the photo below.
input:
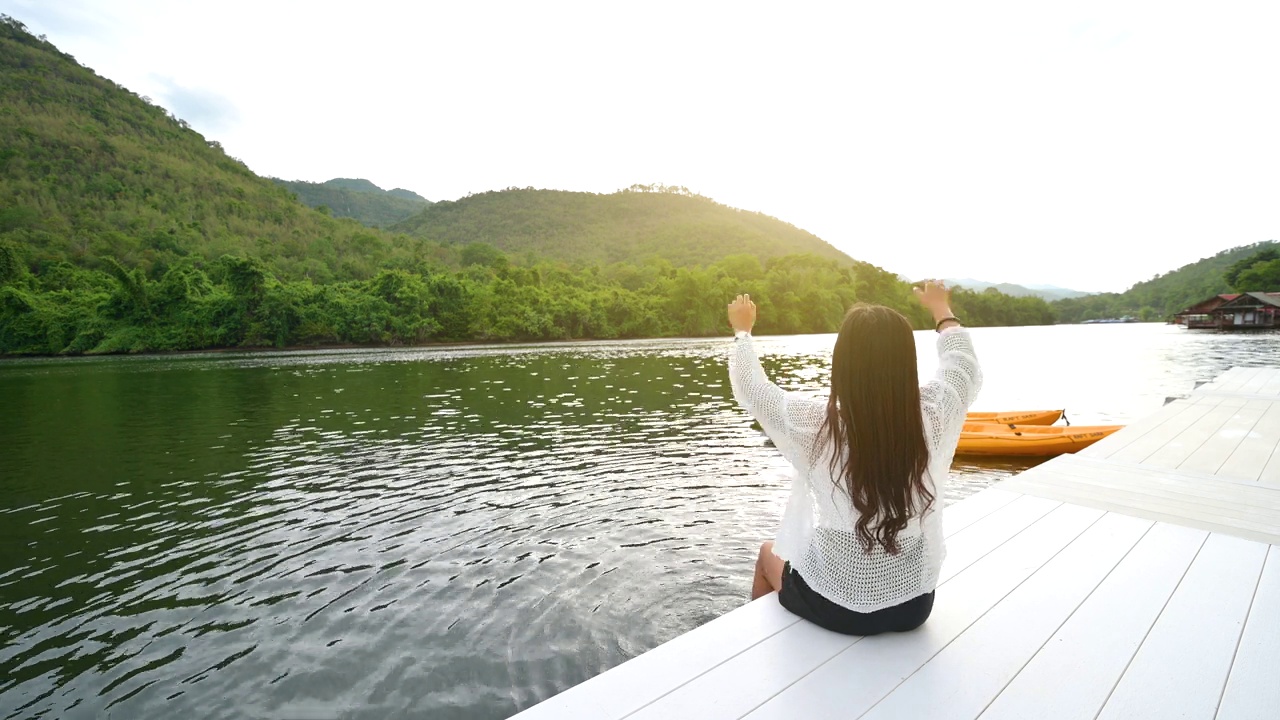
(443, 533)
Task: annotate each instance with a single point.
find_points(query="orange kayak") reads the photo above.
(1028, 440)
(1016, 417)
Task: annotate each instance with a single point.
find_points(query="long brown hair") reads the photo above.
(873, 423)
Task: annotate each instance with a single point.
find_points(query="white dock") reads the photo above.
(1137, 579)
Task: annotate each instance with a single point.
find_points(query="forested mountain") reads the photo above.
(358, 199)
(90, 171)
(1163, 295)
(631, 225)
(362, 185)
(1044, 292)
(123, 230)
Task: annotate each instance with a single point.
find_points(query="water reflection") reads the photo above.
(451, 533)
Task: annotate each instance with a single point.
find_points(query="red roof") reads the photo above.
(1209, 305)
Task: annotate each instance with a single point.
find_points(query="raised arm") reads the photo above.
(790, 420)
(956, 384)
(959, 377)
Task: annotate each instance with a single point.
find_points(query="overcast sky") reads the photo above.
(1083, 144)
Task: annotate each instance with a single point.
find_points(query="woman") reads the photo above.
(860, 544)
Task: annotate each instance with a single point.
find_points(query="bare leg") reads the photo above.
(768, 576)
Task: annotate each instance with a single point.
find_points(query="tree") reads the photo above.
(1238, 276)
(1260, 277)
(483, 254)
(11, 265)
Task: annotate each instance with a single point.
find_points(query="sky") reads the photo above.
(1088, 145)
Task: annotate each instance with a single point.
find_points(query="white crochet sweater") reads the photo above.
(818, 535)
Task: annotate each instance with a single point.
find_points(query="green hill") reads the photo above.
(407, 195)
(1163, 295)
(632, 225)
(1044, 292)
(90, 171)
(358, 199)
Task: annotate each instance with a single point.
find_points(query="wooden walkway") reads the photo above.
(1134, 580)
(1208, 461)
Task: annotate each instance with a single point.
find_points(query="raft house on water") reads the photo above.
(1239, 311)
(1138, 578)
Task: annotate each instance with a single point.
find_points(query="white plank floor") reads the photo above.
(1138, 586)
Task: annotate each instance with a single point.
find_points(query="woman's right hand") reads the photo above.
(742, 313)
(935, 297)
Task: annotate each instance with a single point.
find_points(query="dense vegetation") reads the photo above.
(123, 230)
(1164, 295)
(639, 223)
(239, 302)
(1259, 272)
(357, 199)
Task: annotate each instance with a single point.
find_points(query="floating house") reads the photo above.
(1242, 311)
(1200, 315)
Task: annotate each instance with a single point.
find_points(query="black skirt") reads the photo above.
(797, 597)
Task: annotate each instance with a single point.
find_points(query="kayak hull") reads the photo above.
(1017, 417)
(1028, 440)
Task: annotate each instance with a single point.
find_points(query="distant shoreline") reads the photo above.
(445, 345)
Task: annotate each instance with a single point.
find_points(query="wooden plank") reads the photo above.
(1218, 383)
(973, 508)
(1236, 376)
(967, 675)
(1235, 400)
(1180, 447)
(1134, 431)
(1141, 502)
(1255, 450)
(1235, 382)
(1096, 644)
(1241, 521)
(1225, 377)
(1227, 382)
(1107, 465)
(1141, 448)
(1182, 666)
(1238, 382)
(1210, 456)
(1089, 467)
(1252, 691)
(1249, 376)
(1208, 496)
(1254, 386)
(856, 679)
(1272, 388)
(1235, 397)
(1270, 475)
(750, 678)
(1130, 505)
(1206, 489)
(766, 669)
(971, 543)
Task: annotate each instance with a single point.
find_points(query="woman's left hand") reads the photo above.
(742, 313)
